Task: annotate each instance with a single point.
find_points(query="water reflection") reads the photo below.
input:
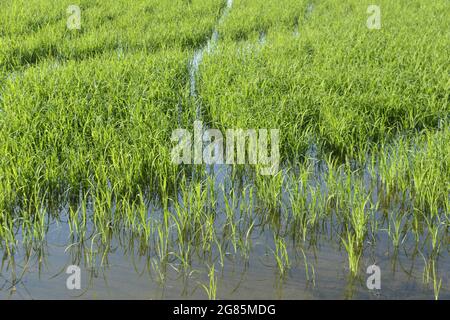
(225, 222)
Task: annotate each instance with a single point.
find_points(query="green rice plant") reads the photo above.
(429, 274)
(298, 202)
(308, 266)
(220, 251)
(184, 255)
(281, 255)
(269, 190)
(359, 223)
(316, 206)
(354, 252)
(230, 227)
(90, 253)
(395, 228)
(256, 16)
(244, 242)
(86, 118)
(39, 30)
(211, 289)
(8, 238)
(142, 210)
(433, 228)
(208, 233)
(162, 244)
(354, 105)
(246, 206)
(161, 270)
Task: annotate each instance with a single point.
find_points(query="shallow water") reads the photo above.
(129, 267)
(127, 274)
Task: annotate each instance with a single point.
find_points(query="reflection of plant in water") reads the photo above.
(211, 290)
(309, 266)
(281, 255)
(430, 275)
(320, 200)
(160, 268)
(354, 252)
(269, 189)
(394, 230)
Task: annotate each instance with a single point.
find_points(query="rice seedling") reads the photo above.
(309, 266)
(429, 274)
(162, 245)
(281, 256)
(395, 229)
(156, 25)
(269, 191)
(160, 269)
(211, 289)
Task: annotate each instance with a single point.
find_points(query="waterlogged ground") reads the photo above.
(128, 274)
(86, 119)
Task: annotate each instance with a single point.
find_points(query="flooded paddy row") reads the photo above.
(87, 179)
(225, 224)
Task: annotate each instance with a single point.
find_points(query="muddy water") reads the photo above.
(129, 268)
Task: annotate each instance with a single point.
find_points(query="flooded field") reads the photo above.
(220, 149)
(246, 248)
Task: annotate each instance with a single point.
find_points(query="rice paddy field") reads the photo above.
(87, 179)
